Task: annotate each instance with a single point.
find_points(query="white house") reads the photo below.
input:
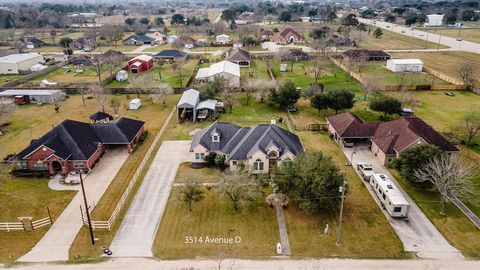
(222, 39)
(259, 148)
(224, 69)
(404, 65)
(434, 20)
(15, 63)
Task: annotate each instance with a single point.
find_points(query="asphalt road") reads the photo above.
(137, 232)
(273, 264)
(466, 46)
(417, 233)
(55, 244)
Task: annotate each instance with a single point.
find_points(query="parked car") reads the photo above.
(347, 143)
(366, 170)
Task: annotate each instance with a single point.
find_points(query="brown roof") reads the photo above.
(395, 136)
(185, 40)
(348, 125)
(267, 32)
(238, 54)
(391, 137)
(289, 31)
(363, 53)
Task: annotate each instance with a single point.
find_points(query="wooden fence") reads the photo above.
(456, 85)
(108, 224)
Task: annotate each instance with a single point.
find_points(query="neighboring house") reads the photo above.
(171, 55)
(239, 57)
(340, 42)
(74, 145)
(32, 42)
(158, 36)
(225, 69)
(259, 148)
(306, 19)
(287, 35)
(222, 39)
(388, 139)
(81, 60)
(101, 117)
(266, 35)
(185, 42)
(83, 43)
(18, 63)
(140, 63)
(138, 40)
(111, 54)
(35, 95)
(368, 55)
(295, 55)
(404, 65)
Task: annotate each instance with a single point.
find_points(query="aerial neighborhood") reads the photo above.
(240, 135)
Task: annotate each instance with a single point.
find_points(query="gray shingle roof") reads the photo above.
(239, 143)
(237, 55)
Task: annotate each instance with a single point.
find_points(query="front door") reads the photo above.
(56, 166)
(272, 163)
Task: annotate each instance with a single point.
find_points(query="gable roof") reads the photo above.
(170, 53)
(190, 98)
(142, 38)
(19, 57)
(267, 32)
(224, 66)
(348, 125)
(100, 116)
(185, 40)
(76, 140)
(239, 143)
(238, 55)
(285, 33)
(143, 57)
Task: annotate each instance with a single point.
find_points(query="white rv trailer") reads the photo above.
(392, 199)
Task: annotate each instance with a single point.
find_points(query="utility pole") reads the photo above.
(342, 190)
(439, 39)
(86, 208)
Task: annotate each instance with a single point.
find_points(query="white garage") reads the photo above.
(12, 64)
(405, 65)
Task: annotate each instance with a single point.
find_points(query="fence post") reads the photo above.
(81, 212)
(31, 224)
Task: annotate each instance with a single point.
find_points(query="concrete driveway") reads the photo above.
(138, 229)
(55, 244)
(417, 234)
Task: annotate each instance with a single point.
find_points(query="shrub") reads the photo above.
(220, 161)
(143, 137)
(29, 174)
(210, 158)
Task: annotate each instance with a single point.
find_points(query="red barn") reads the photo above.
(140, 63)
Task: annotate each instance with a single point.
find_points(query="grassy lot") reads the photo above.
(378, 72)
(446, 62)
(8, 77)
(88, 76)
(215, 217)
(48, 49)
(258, 68)
(470, 34)
(303, 76)
(390, 41)
(168, 75)
(186, 174)
(120, 48)
(26, 198)
(160, 48)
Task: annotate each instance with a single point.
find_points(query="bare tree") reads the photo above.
(82, 90)
(7, 108)
(100, 95)
(191, 193)
(404, 84)
(466, 72)
(115, 105)
(450, 177)
(370, 86)
(318, 67)
(229, 99)
(239, 187)
(472, 125)
(178, 69)
(160, 94)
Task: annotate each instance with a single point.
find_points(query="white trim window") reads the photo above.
(78, 164)
(40, 166)
(21, 165)
(215, 138)
(199, 156)
(258, 165)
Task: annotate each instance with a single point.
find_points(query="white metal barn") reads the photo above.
(135, 104)
(12, 64)
(35, 95)
(434, 20)
(187, 105)
(222, 39)
(405, 65)
(391, 198)
(224, 69)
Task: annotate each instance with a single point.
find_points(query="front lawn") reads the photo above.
(167, 73)
(186, 174)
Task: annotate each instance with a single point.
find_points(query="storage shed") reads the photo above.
(15, 63)
(35, 95)
(207, 108)
(405, 65)
(140, 63)
(187, 105)
(121, 76)
(135, 104)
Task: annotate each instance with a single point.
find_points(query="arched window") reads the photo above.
(273, 154)
(258, 165)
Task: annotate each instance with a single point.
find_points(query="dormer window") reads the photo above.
(215, 138)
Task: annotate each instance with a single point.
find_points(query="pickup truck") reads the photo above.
(366, 170)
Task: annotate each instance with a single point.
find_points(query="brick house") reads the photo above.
(287, 35)
(74, 145)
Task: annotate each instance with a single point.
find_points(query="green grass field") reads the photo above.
(63, 77)
(390, 41)
(470, 34)
(258, 69)
(303, 76)
(168, 75)
(378, 72)
(8, 77)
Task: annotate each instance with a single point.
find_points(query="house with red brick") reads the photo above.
(387, 140)
(287, 35)
(74, 145)
(140, 63)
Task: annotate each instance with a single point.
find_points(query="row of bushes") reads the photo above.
(26, 173)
